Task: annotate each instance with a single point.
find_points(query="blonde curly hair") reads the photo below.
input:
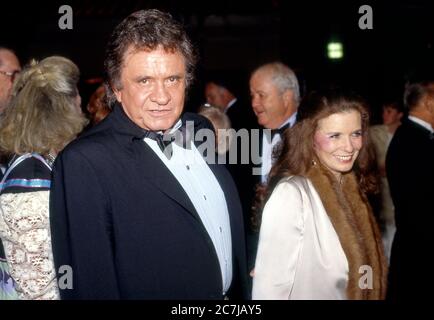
(44, 113)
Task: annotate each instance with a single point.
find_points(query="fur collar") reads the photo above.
(355, 225)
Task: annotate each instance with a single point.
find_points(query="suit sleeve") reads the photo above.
(410, 179)
(279, 246)
(81, 230)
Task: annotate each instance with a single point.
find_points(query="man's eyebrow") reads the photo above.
(142, 77)
(176, 75)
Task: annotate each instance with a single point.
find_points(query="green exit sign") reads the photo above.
(335, 50)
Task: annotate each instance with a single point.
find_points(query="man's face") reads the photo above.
(271, 106)
(391, 115)
(153, 87)
(9, 65)
(215, 96)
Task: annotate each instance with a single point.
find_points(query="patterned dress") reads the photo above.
(25, 230)
(7, 284)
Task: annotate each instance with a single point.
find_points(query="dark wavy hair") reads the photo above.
(296, 152)
(145, 30)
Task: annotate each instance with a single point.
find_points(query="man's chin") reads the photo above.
(162, 126)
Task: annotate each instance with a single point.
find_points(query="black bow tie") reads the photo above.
(179, 135)
(279, 131)
(164, 142)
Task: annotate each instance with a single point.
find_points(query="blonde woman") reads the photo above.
(222, 127)
(44, 114)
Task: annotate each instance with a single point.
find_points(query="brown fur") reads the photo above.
(352, 218)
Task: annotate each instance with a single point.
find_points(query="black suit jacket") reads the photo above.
(410, 171)
(241, 115)
(127, 228)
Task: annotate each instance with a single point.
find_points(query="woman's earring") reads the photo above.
(313, 162)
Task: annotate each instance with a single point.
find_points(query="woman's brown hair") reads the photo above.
(296, 152)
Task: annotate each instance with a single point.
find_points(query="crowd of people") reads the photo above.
(125, 202)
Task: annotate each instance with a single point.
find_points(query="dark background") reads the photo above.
(236, 36)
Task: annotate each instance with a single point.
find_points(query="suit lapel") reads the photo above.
(160, 176)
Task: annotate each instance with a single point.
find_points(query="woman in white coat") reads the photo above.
(318, 237)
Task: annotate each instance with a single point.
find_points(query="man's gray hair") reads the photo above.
(283, 77)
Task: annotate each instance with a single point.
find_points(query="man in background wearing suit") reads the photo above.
(410, 171)
(221, 92)
(134, 215)
(275, 95)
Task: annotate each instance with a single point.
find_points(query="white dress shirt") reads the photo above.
(268, 147)
(204, 191)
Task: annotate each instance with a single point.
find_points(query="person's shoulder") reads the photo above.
(30, 175)
(378, 129)
(199, 121)
(92, 137)
(86, 145)
(92, 144)
(31, 168)
(291, 184)
(287, 199)
(294, 180)
(407, 133)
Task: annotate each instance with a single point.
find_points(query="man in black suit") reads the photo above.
(220, 91)
(275, 96)
(135, 214)
(410, 171)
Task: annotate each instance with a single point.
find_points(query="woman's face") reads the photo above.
(338, 140)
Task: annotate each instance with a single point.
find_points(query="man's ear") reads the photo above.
(430, 105)
(288, 97)
(117, 92)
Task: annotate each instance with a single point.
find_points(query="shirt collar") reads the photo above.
(290, 121)
(230, 104)
(421, 122)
